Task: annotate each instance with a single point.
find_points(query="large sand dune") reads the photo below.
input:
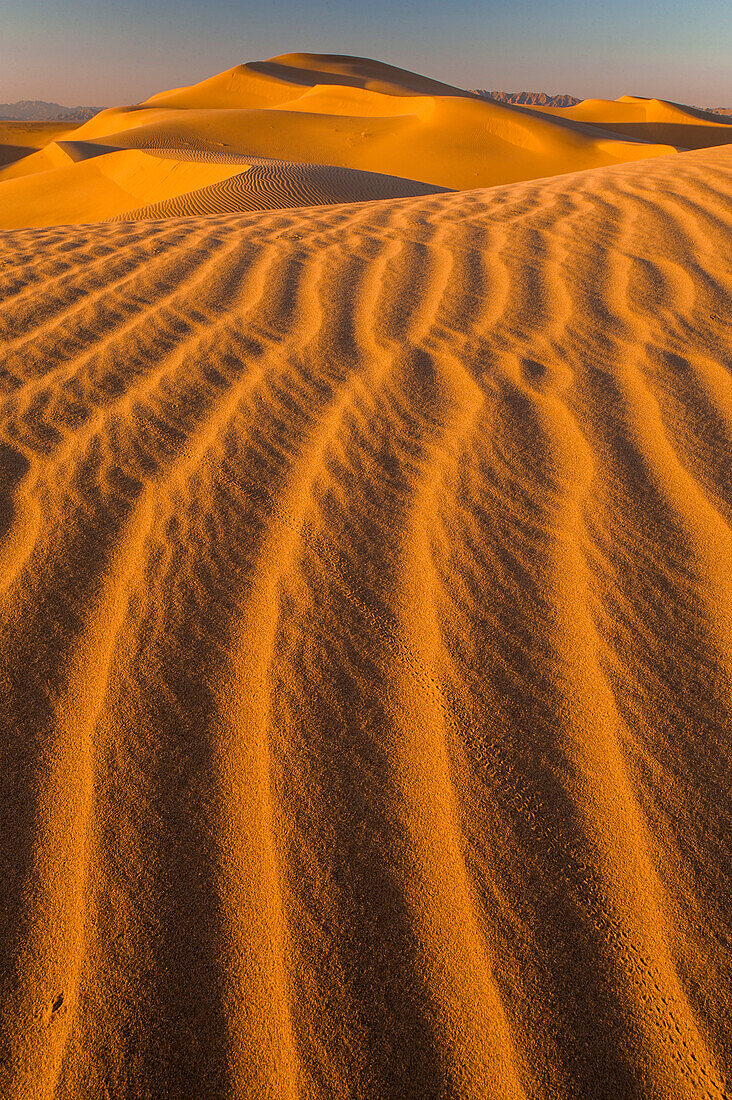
(366, 644)
(320, 112)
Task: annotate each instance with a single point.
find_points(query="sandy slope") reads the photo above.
(366, 647)
(318, 112)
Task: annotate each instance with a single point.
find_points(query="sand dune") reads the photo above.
(93, 182)
(366, 646)
(652, 120)
(303, 109)
(22, 139)
(276, 184)
(324, 113)
(99, 187)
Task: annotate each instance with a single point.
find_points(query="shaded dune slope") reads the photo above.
(366, 646)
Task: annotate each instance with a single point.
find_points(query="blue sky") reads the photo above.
(105, 52)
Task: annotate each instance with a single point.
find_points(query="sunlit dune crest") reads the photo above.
(366, 603)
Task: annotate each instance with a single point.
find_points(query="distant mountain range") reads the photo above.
(529, 99)
(38, 110)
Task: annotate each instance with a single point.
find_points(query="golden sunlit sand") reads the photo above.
(20, 139)
(366, 617)
(651, 120)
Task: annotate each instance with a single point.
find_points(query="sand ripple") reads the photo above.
(366, 647)
(277, 184)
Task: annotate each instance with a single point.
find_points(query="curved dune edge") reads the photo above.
(366, 646)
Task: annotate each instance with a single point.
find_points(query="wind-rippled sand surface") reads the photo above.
(276, 184)
(366, 637)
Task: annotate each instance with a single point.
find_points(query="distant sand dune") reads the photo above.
(21, 139)
(366, 645)
(652, 120)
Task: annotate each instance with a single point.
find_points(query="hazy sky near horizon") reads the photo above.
(103, 52)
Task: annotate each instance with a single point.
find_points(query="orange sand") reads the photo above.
(21, 139)
(651, 120)
(366, 640)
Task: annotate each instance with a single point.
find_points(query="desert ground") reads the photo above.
(366, 614)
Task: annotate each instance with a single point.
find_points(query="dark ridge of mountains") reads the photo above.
(38, 110)
(529, 99)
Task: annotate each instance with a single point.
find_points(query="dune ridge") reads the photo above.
(366, 647)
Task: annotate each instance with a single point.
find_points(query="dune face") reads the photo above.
(266, 184)
(79, 181)
(310, 112)
(75, 181)
(366, 638)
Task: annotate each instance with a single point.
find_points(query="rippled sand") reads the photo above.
(365, 647)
